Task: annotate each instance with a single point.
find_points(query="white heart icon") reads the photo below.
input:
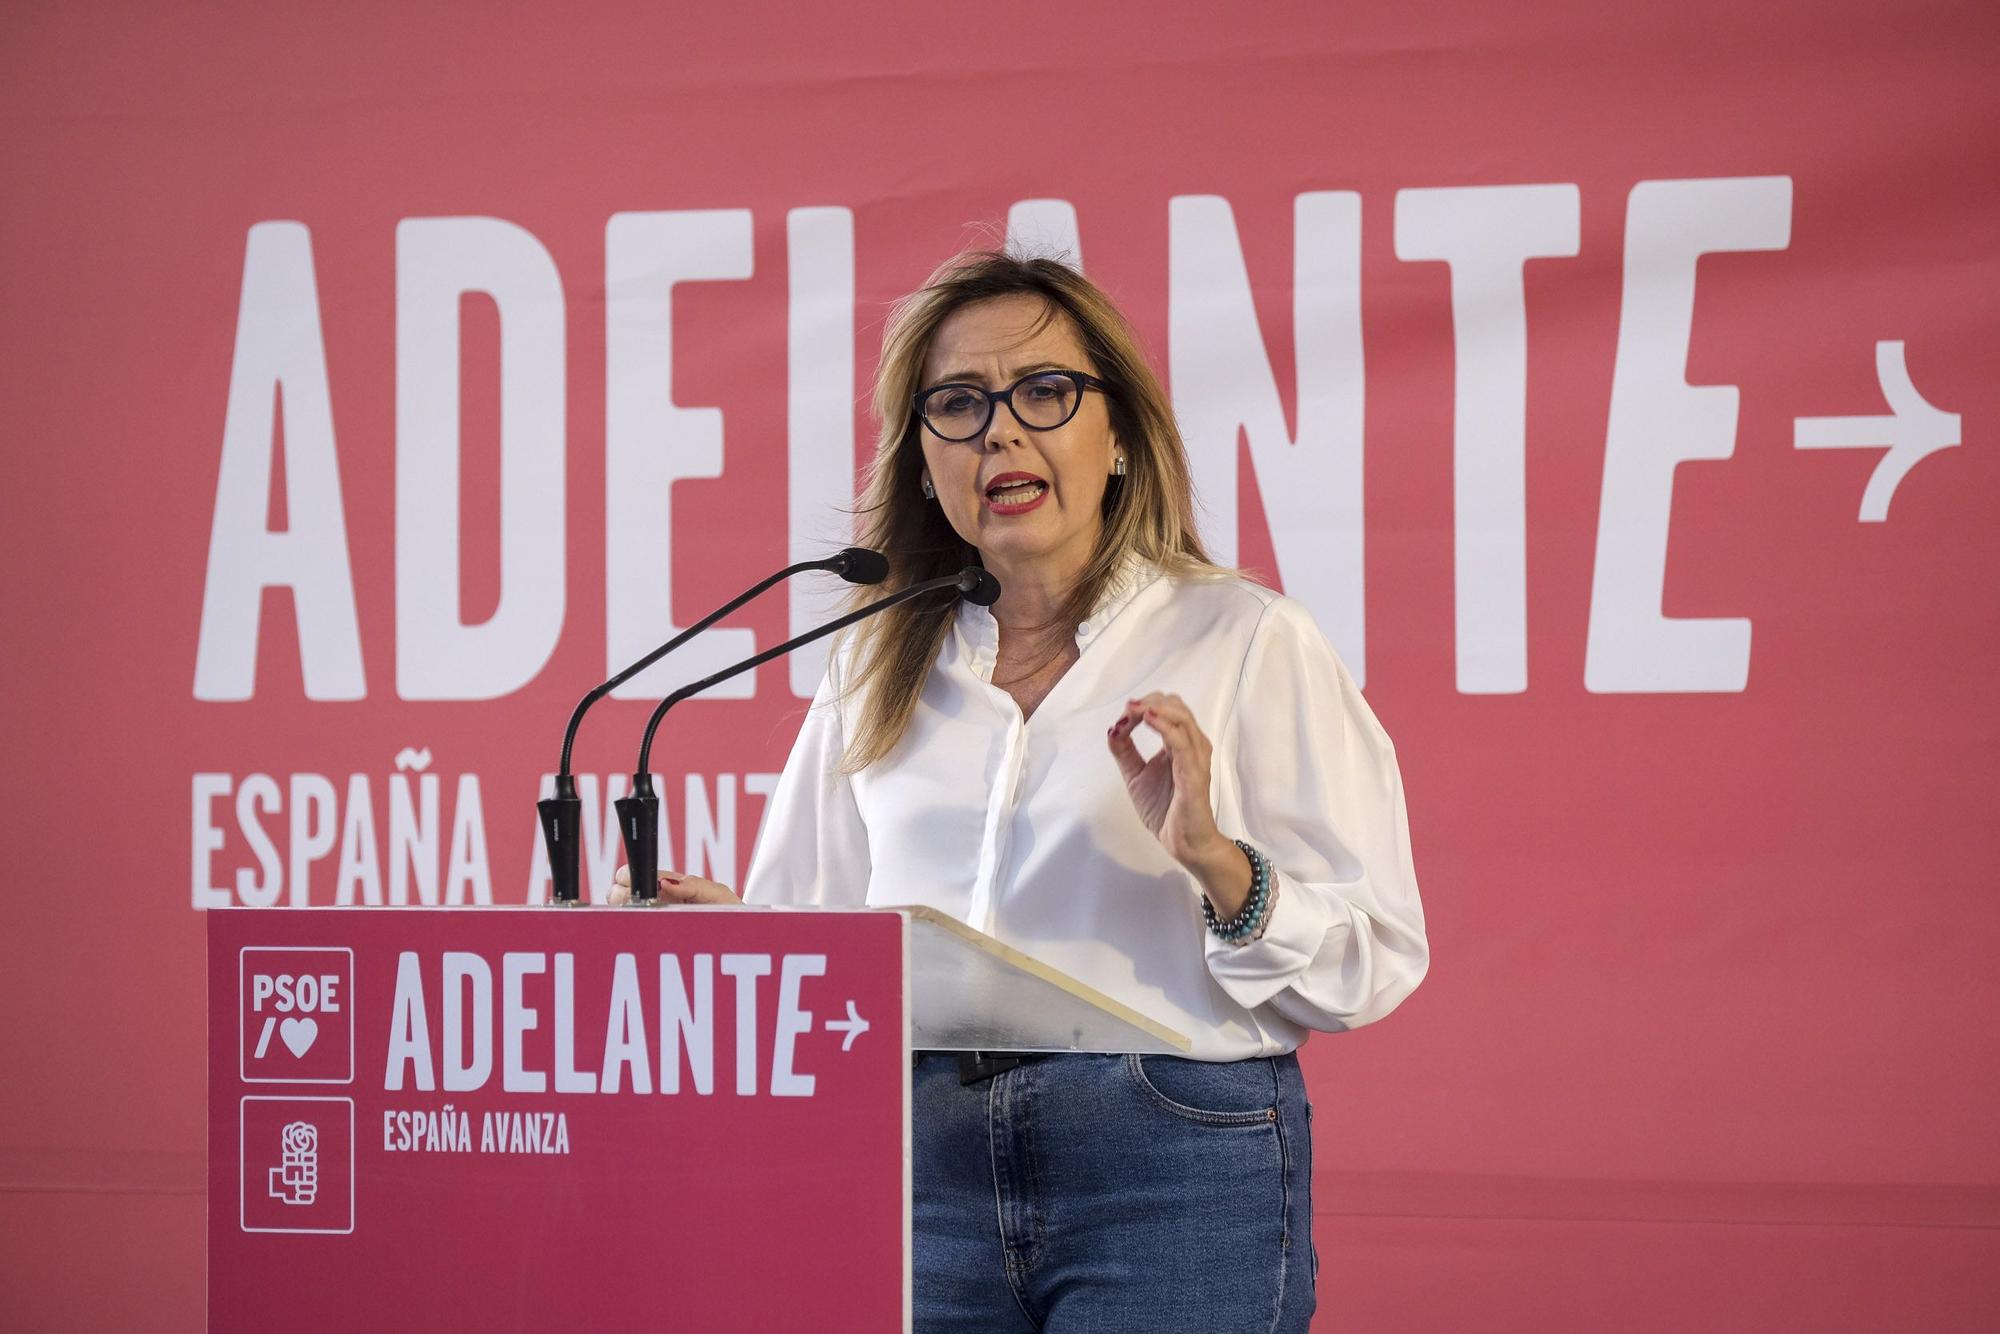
(299, 1034)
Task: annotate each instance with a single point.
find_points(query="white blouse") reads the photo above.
(1023, 829)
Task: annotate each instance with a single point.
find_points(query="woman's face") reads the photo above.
(1029, 500)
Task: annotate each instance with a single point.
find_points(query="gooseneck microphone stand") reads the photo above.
(638, 814)
(561, 815)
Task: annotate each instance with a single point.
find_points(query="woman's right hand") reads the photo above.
(674, 888)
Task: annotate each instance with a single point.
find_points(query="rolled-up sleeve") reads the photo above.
(812, 850)
(1306, 773)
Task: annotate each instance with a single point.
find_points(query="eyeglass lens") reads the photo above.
(959, 412)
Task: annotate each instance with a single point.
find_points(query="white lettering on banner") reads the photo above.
(413, 840)
(313, 807)
(625, 1033)
(306, 993)
(1486, 234)
(463, 970)
(279, 357)
(819, 421)
(448, 1130)
(529, 1132)
(524, 1132)
(465, 862)
(439, 261)
(686, 1024)
(516, 1020)
(650, 441)
(360, 864)
(409, 1030)
(1223, 386)
(792, 1023)
(318, 822)
(1045, 228)
(1911, 431)
(1658, 420)
(746, 969)
(207, 840)
(258, 793)
(569, 1079)
(1309, 472)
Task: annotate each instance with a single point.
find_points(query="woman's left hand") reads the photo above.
(674, 888)
(1170, 791)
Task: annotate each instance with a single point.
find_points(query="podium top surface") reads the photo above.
(970, 992)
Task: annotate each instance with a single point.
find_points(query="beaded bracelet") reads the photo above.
(1248, 924)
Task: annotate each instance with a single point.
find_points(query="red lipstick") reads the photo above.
(1015, 493)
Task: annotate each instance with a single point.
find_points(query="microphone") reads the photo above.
(561, 815)
(859, 565)
(639, 814)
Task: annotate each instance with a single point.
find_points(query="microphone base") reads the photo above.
(561, 820)
(638, 826)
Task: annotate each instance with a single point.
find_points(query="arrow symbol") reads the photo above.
(1910, 430)
(854, 1025)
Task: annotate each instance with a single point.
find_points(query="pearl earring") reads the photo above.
(930, 492)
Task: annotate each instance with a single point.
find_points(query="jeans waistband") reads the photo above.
(977, 1066)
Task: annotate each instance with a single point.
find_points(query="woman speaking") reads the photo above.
(1247, 882)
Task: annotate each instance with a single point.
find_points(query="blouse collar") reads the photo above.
(978, 633)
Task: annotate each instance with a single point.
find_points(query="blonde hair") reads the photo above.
(1149, 512)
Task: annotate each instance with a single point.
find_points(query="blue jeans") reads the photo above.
(1087, 1194)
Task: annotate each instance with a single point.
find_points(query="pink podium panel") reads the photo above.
(538, 1118)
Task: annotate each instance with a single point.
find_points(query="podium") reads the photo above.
(529, 1118)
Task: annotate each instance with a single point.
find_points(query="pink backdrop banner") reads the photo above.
(1615, 386)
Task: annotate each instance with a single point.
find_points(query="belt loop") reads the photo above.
(977, 1066)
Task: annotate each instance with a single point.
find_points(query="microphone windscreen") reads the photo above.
(978, 587)
(859, 565)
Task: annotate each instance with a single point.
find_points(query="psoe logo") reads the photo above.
(297, 1015)
(295, 1179)
(297, 1164)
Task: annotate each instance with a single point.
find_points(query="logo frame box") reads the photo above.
(243, 1012)
(243, 1182)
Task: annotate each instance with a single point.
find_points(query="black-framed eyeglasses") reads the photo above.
(1040, 401)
